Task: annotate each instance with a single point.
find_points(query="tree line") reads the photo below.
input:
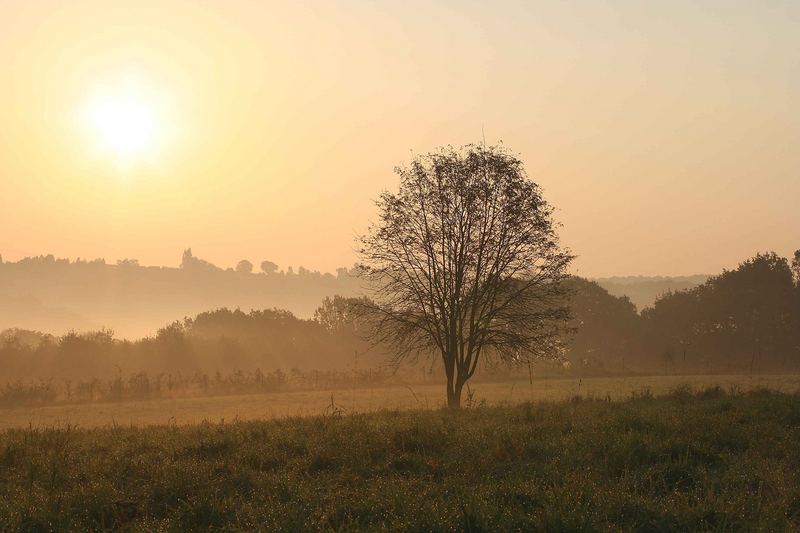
(740, 321)
(745, 320)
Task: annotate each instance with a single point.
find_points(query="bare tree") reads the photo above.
(464, 262)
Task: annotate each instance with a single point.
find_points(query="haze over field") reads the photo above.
(665, 133)
(432, 265)
(56, 295)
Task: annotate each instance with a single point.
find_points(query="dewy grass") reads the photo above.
(707, 460)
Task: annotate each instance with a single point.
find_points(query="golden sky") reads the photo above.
(666, 133)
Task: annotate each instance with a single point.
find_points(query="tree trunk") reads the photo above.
(454, 381)
(454, 396)
(455, 385)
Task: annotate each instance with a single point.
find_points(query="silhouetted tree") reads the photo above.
(244, 267)
(464, 261)
(796, 312)
(268, 267)
(341, 318)
(740, 317)
(607, 328)
(340, 313)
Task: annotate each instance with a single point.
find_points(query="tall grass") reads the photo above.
(708, 460)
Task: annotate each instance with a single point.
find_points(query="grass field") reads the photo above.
(309, 403)
(690, 461)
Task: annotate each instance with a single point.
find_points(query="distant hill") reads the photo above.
(55, 295)
(643, 290)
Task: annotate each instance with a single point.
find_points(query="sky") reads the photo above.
(664, 133)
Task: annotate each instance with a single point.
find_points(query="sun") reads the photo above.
(126, 122)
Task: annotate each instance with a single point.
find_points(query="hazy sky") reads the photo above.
(666, 133)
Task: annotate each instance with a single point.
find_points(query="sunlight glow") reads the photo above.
(126, 123)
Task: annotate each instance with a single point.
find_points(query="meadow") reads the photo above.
(363, 399)
(692, 459)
